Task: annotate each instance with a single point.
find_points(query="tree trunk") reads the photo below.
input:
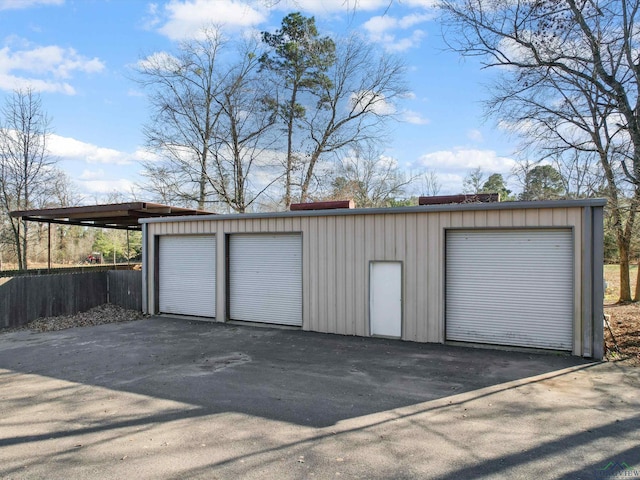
(290, 122)
(308, 176)
(15, 224)
(25, 240)
(202, 182)
(624, 244)
(202, 185)
(287, 182)
(636, 298)
(625, 283)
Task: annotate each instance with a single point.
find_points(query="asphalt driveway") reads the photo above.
(169, 398)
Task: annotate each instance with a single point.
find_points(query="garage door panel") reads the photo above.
(187, 275)
(510, 287)
(265, 278)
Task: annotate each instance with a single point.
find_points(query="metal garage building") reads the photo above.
(523, 274)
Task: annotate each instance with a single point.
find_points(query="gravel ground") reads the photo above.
(106, 313)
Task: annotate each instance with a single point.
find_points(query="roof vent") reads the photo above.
(331, 205)
(462, 198)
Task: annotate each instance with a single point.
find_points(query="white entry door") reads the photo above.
(385, 298)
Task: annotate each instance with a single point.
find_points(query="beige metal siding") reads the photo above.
(337, 250)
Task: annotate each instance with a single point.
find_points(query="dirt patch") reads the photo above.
(622, 335)
(622, 341)
(106, 313)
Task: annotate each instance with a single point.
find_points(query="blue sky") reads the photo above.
(78, 54)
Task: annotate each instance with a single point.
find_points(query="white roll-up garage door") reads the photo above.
(265, 278)
(187, 275)
(510, 287)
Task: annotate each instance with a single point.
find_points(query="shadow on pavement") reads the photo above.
(305, 378)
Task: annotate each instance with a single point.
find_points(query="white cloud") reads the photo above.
(71, 149)
(463, 160)
(54, 60)
(371, 102)
(162, 61)
(181, 19)
(387, 30)
(451, 183)
(44, 69)
(414, 118)
(119, 185)
(142, 155)
(328, 6)
(475, 135)
(385, 161)
(11, 82)
(407, 43)
(152, 19)
(380, 24)
(99, 171)
(421, 3)
(412, 19)
(23, 4)
(91, 175)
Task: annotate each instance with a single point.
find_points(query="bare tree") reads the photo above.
(338, 95)
(245, 135)
(429, 183)
(299, 59)
(61, 192)
(354, 108)
(580, 173)
(369, 179)
(7, 250)
(211, 126)
(25, 164)
(167, 184)
(182, 96)
(571, 82)
(473, 181)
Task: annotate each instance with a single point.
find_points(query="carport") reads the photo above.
(119, 216)
(34, 293)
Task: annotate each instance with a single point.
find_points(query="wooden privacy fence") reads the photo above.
(124, 288)
(26, 298)
(75, 269)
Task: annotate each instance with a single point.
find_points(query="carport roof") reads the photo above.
(124, 216)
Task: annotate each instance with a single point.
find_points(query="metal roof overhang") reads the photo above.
(123, 216)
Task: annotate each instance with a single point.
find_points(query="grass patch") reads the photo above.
(612, 277)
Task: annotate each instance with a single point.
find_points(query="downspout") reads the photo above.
(145, 268)
(597, 283)
(586, 287)
(49, 248)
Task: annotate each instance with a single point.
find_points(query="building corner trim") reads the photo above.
(597, 284)
(145, 268)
